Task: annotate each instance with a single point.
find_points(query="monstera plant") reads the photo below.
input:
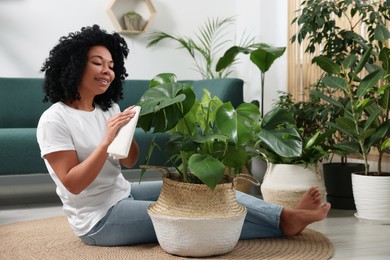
(206, 136)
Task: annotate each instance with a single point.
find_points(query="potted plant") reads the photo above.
(206, 137)
(292, 158)
(133, 21)
(341, 28)
(366, 120)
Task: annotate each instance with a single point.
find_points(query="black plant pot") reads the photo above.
(338, 184)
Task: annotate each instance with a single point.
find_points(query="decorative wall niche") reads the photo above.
(116, 10)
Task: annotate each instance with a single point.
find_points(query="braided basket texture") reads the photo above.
(192, 220)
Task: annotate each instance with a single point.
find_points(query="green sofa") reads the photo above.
(22, 170)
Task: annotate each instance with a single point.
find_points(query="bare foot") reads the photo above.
(294, 221)
(310, 200)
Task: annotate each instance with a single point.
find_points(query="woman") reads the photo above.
(83, 80)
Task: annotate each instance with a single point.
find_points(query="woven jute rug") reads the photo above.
(52, 238)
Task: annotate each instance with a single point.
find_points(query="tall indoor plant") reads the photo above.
(366, 120)
(338, 29)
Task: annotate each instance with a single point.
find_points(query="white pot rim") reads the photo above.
(361, 174)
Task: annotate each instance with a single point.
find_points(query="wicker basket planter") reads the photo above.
(192, 220)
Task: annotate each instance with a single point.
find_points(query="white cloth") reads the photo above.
(120, 147)
(62, 128)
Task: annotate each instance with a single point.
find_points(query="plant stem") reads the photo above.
(380, 162)
(262, 94)
(183, 156)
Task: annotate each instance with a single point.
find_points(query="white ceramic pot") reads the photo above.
(284, 184)
(372, 198)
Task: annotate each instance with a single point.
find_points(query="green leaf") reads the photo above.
(285, 142)
(384, 100)
(327, 98)
(163, 106)
(335, 82)
(161, 96)
(381, 33)
(313, 140)
(208, 169)
(235, 157)
(264, 56)
(379, 134)
(345, 125)
(162, 78)
(327, 64)
(276, 117)
(230, 56)
(207, 138)
(236, 123)
(370, 81)
(348, 147)
(363, 61)
(372, 118)
(385, 145)
(384, 57)
(349, 61)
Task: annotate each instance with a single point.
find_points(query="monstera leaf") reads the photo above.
(278, 136)
(237, 123)
(164, 104)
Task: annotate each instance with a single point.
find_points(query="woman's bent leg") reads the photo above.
(148, 190)
(128, 221)
(262, 219)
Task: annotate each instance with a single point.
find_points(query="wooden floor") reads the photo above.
(351, 239)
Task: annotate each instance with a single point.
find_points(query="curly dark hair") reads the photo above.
(67, 60)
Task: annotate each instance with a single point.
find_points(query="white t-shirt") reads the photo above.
(63, 128)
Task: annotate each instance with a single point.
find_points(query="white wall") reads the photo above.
(30, 28)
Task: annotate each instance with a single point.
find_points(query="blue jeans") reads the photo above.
(129, 223)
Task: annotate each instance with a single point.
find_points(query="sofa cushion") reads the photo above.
(19, 152)
(21, 102)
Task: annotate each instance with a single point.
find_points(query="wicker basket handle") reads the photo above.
(246, 177)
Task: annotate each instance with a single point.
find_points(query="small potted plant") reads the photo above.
(291, 157)
(207, 136)
(133, 21)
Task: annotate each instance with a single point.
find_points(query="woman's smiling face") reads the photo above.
(98, 73)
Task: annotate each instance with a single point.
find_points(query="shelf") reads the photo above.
(117, 8)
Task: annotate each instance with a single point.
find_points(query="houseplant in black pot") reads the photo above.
(206, 137)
